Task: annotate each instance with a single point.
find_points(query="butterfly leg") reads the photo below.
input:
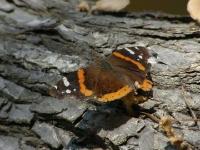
(131, 100)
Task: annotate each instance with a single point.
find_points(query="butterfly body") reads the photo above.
(119, 76)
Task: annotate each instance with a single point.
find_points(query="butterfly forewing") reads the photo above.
(136, 57)
(133, 63)
(68, 85)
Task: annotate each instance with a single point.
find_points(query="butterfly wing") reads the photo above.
(133, 63)
(109, 79)
(68, 85)
(97, 80)
(105, 82)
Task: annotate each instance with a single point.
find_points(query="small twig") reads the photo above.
(188, 105)
(152, 117)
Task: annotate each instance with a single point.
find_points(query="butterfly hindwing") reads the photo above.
(105, 82)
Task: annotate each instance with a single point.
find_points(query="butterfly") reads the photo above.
(121, 75)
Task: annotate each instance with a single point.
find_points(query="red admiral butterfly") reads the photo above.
(119, 76)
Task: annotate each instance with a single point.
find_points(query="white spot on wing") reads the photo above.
(55, 86)
(130, 51)
(68, 91)
(66, 82)
(140, 56)
(74, 90)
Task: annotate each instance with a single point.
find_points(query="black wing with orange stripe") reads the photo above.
(133, 63)
(110, 79)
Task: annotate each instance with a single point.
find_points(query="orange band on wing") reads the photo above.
(139, 65)
(81, 80)
(116, 95)
(146, 85)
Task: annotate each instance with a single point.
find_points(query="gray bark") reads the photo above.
(40, 40)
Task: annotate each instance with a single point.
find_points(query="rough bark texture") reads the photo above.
(40, 40)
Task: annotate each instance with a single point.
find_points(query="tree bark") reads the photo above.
(40, 41)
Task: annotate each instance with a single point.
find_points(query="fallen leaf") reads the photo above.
(193, 8)
(83, 6)
(110, 5)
